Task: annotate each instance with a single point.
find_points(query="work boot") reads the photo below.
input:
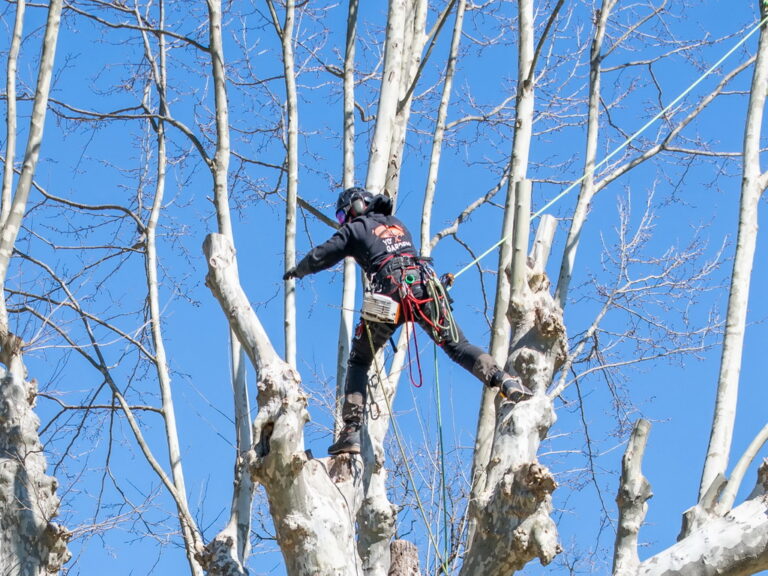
(349, 437)
(510, 387)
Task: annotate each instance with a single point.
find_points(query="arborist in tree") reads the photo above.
(402, 288)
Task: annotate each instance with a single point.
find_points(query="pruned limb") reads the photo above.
(696, 516)
(736, 544)
(634, 492)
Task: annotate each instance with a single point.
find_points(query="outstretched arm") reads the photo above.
(321, 257)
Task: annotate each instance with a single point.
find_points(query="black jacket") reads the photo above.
(371, 239)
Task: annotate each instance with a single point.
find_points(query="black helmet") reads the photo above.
(352, 202)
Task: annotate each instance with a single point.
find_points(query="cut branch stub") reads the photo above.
(10, 348)
(704, 510)
(634, 492)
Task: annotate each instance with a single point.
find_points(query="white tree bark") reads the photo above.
(587, 190)
(413, 45)
(512, 507)
(752, 187)
(313, 502)
(10, 117)
(634, 492)
(238, 529)
(151, 267)
(728, 496)
(31, 544)
(439, 133)
(389, 97)
(285, 33)
(405, 23)
(347, 315)
(500, 329)
(405, 559)
(734, 545)
(12, 223)
(377, 515)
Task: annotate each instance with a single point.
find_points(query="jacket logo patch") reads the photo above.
(384, 231)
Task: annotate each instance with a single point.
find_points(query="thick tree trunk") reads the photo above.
(389, 97)
(404, 40)
(513, 504)
(238, 529)
(313, 502)
(518, 165)
(734, 545)
(30, 543)
(413, 45)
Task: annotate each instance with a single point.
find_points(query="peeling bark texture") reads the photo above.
(30, 543)
(402, 53)
(405, 559)
(513, 508)
(313, 502)
(518, 164)
(634, 493)
(704, 511)
(761, 487)
(220, 557)
(377, 515)
(734, 545)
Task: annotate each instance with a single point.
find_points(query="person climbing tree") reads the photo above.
(402, 288)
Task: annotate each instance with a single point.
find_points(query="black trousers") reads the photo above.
(456, 345)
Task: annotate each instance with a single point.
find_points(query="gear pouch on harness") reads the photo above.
(380, 308)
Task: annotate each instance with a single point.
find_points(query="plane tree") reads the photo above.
(186, 125)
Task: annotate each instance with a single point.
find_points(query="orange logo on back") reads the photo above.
(384, 231)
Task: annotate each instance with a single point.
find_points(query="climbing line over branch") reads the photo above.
(626, 142)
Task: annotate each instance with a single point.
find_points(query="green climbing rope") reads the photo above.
(408, 470)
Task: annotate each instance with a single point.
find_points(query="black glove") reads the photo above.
(291, 273)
